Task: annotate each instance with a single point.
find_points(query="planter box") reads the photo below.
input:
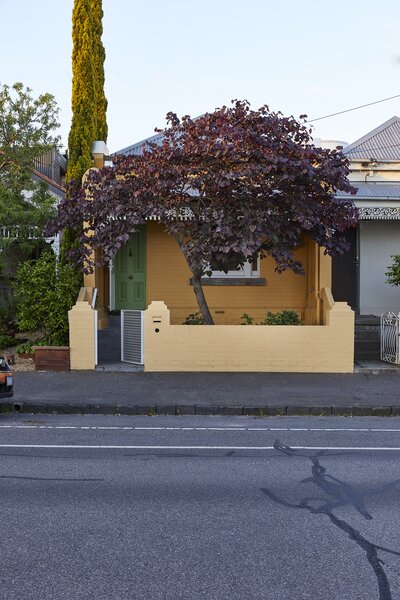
(51, 358)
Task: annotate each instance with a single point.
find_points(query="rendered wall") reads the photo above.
(81, 320)
(168, 276)
(325, 348)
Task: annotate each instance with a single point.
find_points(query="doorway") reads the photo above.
(130, 273)
(345, 273)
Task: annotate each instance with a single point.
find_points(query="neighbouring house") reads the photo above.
(358, 277)
(51, 170)
(149, 272)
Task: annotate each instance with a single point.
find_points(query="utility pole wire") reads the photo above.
(341, 112)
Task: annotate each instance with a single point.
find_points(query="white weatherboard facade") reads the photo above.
(378, 241)
(375, 173)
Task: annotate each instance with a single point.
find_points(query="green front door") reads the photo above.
(130, 273)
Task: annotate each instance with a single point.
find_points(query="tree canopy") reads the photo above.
(26, 134)
(227, 185)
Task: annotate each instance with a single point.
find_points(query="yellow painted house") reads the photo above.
(150, 274)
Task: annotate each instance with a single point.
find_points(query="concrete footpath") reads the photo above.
(257, 394)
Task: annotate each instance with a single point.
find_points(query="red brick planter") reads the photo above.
(51, 358)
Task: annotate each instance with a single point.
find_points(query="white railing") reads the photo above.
(132, 350)
(12, 232)
(390, 338)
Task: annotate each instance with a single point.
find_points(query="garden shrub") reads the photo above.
(6, 341)
(194, 319)
(246, 319)
(8, 323)
(45, 291)
(286, 317)
(24, 348)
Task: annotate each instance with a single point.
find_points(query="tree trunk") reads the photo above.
(201, 300)
(197, 272)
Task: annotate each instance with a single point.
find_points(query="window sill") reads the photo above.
(232, 281)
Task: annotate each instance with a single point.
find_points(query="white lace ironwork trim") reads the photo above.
(379, 212)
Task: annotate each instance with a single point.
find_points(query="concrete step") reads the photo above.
(367, 353)
(109, 355)
(367, 338)
(119, 367)
(367, 320)
(109, 342)
(372, 339)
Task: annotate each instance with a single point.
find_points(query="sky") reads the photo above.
(311, 57)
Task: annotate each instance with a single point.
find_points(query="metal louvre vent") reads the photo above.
(132, 336)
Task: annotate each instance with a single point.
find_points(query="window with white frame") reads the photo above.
(249, 269)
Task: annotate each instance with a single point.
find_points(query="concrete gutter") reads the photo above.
(199, 409)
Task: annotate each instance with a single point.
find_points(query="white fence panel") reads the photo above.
(390, 338)
(132, 336)
(96, 339)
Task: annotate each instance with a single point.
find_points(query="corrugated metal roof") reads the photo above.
(382, 143)
(137, 149)
(379, 191)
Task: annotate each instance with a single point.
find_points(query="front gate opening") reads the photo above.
(132, 336)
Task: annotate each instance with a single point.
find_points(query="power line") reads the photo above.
(341, 112)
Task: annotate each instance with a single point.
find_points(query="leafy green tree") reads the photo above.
(393, 272)
(23, 217)
(27, 133)
(45, 292)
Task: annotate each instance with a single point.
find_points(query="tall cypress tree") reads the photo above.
(99, 57)
(89, 104)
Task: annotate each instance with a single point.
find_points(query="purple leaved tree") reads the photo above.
(227, 185)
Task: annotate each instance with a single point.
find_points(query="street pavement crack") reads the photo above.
(339, 494)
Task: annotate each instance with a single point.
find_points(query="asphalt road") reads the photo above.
(214, 508)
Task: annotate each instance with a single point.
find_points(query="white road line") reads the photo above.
(132, 428)
(129, 447)
(261, 429)
(278, 429)
(385, 430)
